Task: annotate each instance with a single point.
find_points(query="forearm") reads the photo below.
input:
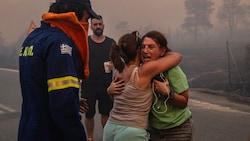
(180, 100)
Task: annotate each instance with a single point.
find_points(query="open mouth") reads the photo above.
(146, 58)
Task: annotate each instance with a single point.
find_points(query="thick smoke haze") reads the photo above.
(207, 62)
(16, 15)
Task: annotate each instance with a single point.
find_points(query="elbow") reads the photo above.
(181, 100)
(183, 105)
(180, 103)
(177, 57)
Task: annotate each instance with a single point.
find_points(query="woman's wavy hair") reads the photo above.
(125, 51)
(58, 8)
(159, 38)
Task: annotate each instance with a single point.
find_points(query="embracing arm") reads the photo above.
(154, 67)
(116, 86)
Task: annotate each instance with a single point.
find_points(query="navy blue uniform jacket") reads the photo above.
(48, 63)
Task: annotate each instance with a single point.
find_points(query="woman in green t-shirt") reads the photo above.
(170, 117)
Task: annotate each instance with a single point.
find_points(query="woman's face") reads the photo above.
(150, 50)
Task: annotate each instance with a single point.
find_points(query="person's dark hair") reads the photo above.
(159, 38)
(59, 7)
(125, 51)
(100, 17)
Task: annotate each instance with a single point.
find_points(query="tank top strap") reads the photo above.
(135, 73)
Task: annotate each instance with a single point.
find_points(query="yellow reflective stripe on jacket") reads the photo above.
(62, 83)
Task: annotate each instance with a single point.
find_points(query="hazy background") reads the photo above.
(207, 61)
(16, 15)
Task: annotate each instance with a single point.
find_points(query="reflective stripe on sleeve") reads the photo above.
(62, 83)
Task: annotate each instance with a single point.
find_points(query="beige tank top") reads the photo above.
(131, 108)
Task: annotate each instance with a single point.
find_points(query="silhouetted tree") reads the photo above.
(229, 14)
(198, 16)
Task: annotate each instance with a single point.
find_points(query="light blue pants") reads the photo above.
(118, 132)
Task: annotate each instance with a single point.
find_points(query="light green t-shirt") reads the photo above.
(174, 116)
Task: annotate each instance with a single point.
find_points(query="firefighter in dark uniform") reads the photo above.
(52, 60)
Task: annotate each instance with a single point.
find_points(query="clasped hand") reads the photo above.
(162, 87)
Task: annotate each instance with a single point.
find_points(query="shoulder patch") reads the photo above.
(66, 49)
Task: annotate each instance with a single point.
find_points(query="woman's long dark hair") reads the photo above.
(125, 51)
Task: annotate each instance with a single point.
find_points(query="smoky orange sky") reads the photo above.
(16, 15)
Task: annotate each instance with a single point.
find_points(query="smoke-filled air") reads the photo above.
(213, 36)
